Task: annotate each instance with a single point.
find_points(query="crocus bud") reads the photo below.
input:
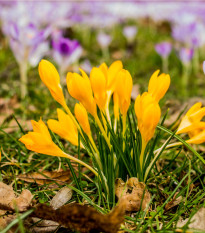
(82, 117)
(158, 85)
(123, 89)
(163, 49)
(148, 115)
(49, 75)
(99, 83)
(79, 88)
(64, 127)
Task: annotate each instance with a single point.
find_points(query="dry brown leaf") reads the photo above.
(197, 221)
(46, 177)
(174, 202)
(24, 200)
(133, 193)
(6, 194)
(42, 226)
(61, 197)
(6, 220)
(9, 200)
(83, 218)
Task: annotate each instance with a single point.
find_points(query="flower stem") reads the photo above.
(95, 152)
(103, 131)
(165, 64)
(144, 143)
(80, 162)
(23, 77)
(109, 93)
(185, 79)
(123, 129)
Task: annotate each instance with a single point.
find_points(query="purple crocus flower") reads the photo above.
(163, 49)
(65, 52)
(27, 42)
(130, 32)
(185, 55)
(191, 34)
(104, 40)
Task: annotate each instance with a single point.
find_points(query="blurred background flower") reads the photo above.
(67, 32)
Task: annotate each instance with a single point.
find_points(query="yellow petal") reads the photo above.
(123, 89)
(64, 127)
(198, 115)
(82, 117)
(80, 88)
(98, 84)
(116, 105)
(194, 108)
(112, 74)
(197, 139)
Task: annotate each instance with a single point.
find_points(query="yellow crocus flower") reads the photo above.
(158, 85)
(82, 117)
(194, 115)
(79, 88)
(192, 125)
(98, 80)
(64, 127)
(148, 115)
(40, 140)
(50, 77)
(123, 89)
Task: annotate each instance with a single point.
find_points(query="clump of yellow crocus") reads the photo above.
(158, 85)
(50, 77)
(191, 123)
(41, 142)
(79, 88)
(64, 127)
